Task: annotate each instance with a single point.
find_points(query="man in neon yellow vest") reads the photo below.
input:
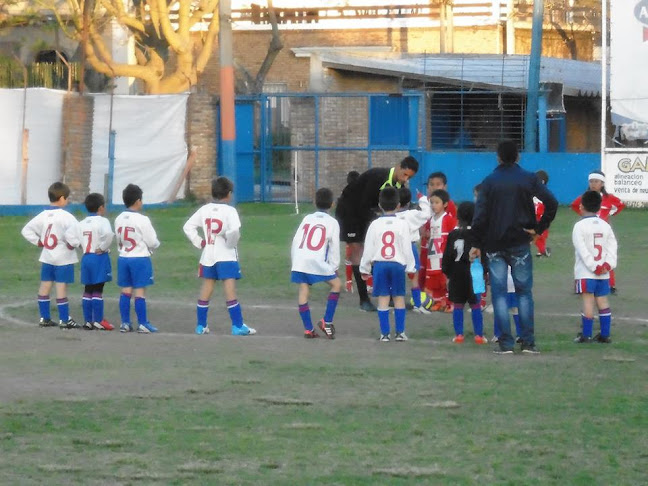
(358, 206)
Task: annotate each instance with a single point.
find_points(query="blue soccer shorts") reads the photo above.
(309, 278)
(220, 271)
(95, 268)
(136, 272)
(598, 287)
(57, 273)
(388, 279)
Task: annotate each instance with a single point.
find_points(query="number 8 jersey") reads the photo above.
(316, 245)
(388, 240)
(220, 226)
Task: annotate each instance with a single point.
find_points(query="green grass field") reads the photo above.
(81, 407)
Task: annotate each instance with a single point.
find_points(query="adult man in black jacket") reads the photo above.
(358, 206)
(504, 225)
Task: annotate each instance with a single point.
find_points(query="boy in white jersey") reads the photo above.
(416, 219)
(136, 239)
(315, 256)
(388, 248)
(96, 237)
(55, 231)
(596, 256)
(220, 225)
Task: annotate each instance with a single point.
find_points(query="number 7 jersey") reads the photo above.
(220, 225)
(316, 245)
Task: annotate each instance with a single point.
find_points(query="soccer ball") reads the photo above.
(426, 301)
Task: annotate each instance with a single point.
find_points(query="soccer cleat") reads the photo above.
(146, 328)
(530, 349)
(46, 322)
(495, 340)
(70, 324)
(384, 338)
(481, 340)
(88, 326)
(125, 327)
(244, 330)
(503, 351)
(547, 252)
(327, 328)
(458, 339)
(421, 310)
(400, 336)
(602, 339)
(312, 334)
(104, 325)
(438, 306)
(202, 329)
(367, 306)
(582, 339)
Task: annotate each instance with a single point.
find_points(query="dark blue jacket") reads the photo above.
(504, 208)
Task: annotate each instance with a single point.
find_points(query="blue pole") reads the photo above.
(111, 165)
(530, 120)
(543, 136)
(263, 159)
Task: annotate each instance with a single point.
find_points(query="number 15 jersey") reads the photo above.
(135, 235)
(220, 225)
(316, 245)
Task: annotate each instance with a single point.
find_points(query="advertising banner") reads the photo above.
(626, 175)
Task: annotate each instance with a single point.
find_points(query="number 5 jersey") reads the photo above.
(220, 225)
(316, 245)
(594, 244)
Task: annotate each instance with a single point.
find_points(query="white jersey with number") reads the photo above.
(96, 235)
(316, 245)
(135, 235)
(220, 231)
(594, 244)
(388, 240)
(416, 218)
(57, 231)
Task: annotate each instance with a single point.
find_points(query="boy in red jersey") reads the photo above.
(541, 240)
(610, 206)
(436, 180)
(441, 224)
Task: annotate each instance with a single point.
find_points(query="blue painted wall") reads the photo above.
(567, 171)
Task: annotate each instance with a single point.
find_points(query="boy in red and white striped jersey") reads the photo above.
(56, 232)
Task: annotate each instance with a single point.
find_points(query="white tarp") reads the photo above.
(44, 122)
(629, 59)
(150, 147)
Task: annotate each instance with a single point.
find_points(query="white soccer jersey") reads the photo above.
(594, 244)
(96, 235)
(135, 235)
(55, 229)
(388, 240)
(220, 225)
(416, 218)
(316, 245)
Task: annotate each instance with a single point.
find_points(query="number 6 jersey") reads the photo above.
(56, 231)
(316, 245)
(594, 244)
(220, 226)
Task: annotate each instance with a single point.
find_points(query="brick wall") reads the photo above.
(77, 144)
(343, 123)
(203, 137)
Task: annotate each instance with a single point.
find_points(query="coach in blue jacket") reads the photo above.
(504, 225)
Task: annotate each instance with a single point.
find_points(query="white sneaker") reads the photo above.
(400, 337)
(421, 310)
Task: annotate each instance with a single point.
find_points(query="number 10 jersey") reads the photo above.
(316, 245)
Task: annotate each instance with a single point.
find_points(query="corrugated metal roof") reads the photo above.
(579, 78)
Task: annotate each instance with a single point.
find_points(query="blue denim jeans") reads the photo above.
(521, 263)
